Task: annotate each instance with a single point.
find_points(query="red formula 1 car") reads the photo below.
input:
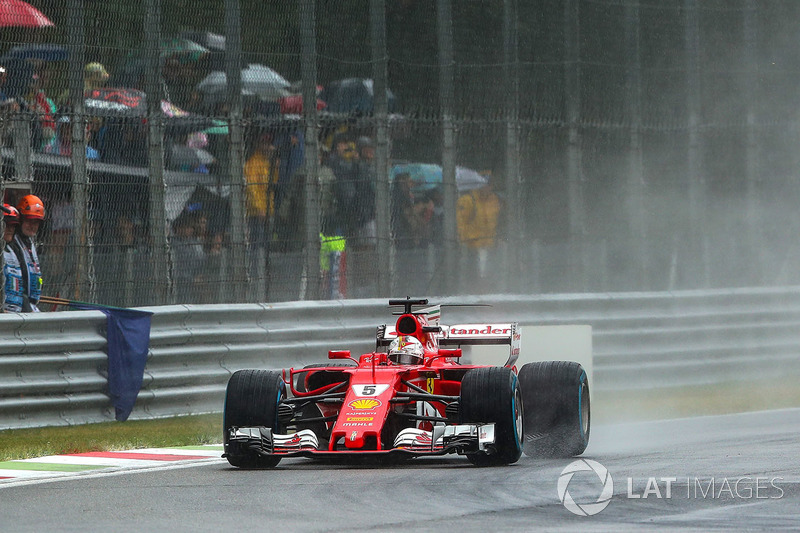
(410, 397)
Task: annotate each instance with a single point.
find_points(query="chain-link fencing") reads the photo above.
(478, 146)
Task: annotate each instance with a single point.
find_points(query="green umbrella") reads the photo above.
(220, 127)
(184, 50)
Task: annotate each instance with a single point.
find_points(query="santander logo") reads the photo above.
(489, 329)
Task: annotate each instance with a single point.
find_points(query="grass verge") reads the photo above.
(608, 407)
(107, 436)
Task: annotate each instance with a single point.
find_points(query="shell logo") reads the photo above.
(364, 403)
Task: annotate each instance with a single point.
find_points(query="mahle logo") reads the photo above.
(585, 508)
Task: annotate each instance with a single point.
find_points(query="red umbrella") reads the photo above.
(21, 14)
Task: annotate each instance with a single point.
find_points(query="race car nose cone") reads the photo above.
(354, 441)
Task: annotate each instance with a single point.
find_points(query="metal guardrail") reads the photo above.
(53, 365)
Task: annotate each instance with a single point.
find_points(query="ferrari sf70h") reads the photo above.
(412, 396)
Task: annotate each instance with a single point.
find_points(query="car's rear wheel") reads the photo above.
(492, 394)
(557, 408)
(251, 400)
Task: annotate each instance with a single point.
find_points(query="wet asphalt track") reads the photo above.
(759, 450)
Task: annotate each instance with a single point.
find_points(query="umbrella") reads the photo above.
(180, 121)
(218, 127)
(122, 102)
(184, 50)
(16, 13)
(257, 80)
(212, 41)
(116, 102)
(215, 43)
(132, 70)
(183, 156)
(45, 52)
(353, 95)
(426, 176)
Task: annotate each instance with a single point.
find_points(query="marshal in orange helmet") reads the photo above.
(31, 206)
(10, 215)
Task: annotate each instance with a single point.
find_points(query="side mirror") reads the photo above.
(339, 354)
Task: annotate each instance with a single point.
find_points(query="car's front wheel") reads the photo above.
(492, 394)
(251, 400)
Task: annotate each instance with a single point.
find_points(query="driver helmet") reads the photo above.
(406, 350)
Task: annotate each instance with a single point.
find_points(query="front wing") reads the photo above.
(460, 438)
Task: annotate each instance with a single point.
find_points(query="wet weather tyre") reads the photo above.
(557, 408)
(489, 395)
(251, 400)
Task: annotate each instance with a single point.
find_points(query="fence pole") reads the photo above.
(155, 151)
(513, 208)
(698, 230)
(233, 72)
(308, 37)
(444, 30)
(750, 29)
(381, 117)
(635, 182)
(76, 39)
(577, 210)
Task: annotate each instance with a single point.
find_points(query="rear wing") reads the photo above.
(467, 334)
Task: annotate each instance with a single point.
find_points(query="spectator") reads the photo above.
(403, 222)
(260, 173)
(343, 161)
(8, 105)
(291, 151)
(63, 141)
(124, 142)
(95, 76)
(437, 217)
(424, 209)
(364, 207)
(31, 212)
(17, 82)
(327, 200)
(3, 79)
(476, 217)
(289, 189)
(42, 106)
(12, 270)
(61, 219)
(188, 253)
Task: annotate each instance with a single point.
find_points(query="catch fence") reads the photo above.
(634, 145)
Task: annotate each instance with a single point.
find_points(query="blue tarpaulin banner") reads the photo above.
(128, 336)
